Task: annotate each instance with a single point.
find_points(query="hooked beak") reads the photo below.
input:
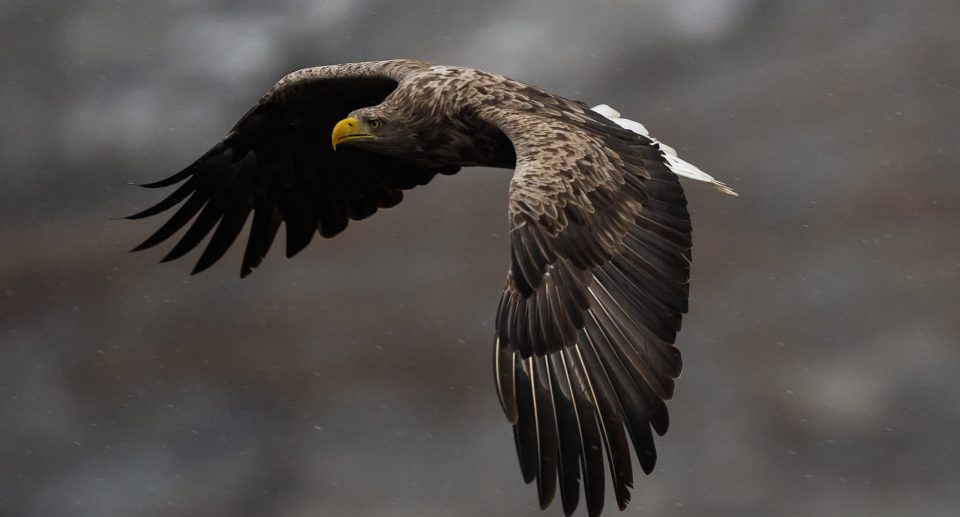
(348, 130)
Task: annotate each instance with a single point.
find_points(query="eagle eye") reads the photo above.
(374, 123)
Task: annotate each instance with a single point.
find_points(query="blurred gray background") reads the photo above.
(822, 369)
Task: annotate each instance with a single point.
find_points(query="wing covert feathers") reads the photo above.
(597, 286)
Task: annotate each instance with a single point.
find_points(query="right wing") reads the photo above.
(277, 163)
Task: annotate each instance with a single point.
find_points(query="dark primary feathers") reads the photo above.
(277, 163)
(600, 241)
(600, 249)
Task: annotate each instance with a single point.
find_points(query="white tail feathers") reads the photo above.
(675, 163)
(686, 169)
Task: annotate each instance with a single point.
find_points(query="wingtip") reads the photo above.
(623, 494)
(723, 187)
(545, 502)
(648, 461)
(158, 184)
(246, 269)
(133, 217)
(174, 254)
(179, 176)
(147, 244)
(153, 184)
(204, 262)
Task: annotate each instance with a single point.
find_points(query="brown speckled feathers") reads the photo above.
(600, 249)
(600, 240)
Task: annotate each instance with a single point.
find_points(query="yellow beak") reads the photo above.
(347, 130)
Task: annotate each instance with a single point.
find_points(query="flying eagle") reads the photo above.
(600, 237)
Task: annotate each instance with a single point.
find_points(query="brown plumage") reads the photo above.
(600, 238)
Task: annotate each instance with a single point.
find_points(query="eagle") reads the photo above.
(600, 237)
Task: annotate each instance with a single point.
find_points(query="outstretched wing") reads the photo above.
(277, 163)
(600, 248)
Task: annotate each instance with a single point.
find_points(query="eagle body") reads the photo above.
(600, 237)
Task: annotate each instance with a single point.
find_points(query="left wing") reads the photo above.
(600, 256)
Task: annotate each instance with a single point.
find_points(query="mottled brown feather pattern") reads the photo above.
(600, 254)
(600, 240)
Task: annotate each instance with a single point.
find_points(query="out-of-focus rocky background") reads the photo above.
(822, 359)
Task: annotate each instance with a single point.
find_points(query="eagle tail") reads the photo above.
(677, 165)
